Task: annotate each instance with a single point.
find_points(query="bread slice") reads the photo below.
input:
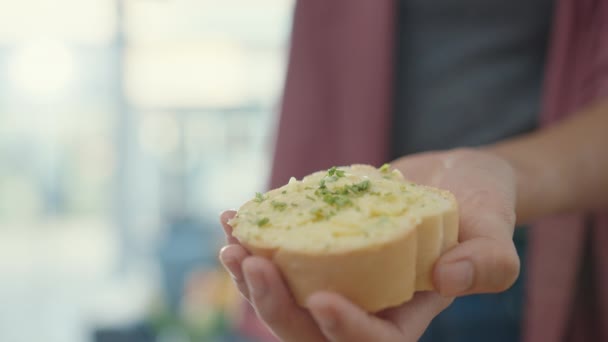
(363, 232)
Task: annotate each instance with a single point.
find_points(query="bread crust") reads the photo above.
(374, 278)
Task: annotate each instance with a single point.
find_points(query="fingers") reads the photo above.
(232, 257)
(486, 260)
(479, 265)
(274, 304)
(224, 218)
(415, 316)
(342, 321)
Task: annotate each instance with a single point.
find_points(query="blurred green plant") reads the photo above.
(208, 309)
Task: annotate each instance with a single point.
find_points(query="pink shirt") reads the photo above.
(337, 107)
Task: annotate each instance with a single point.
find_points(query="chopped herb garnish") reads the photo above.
(385, 168)
(295, 205)
(280, 206)
(342, 191)
(284, 192)
(259, 197)
(331, 179)
(322, 192)
(361, 187)
(322, 184)
(342, 201)
(335, 172)
(262, 222)
(337, 200)
(310, 198)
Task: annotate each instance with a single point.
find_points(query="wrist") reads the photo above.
(538, 189)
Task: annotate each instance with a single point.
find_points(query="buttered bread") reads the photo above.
(364, 232)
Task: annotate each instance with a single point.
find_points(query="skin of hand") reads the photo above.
(562, 168)
(485, 260)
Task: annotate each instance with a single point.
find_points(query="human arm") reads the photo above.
(493, 185)
(563, 168)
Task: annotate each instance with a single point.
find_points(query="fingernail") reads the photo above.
(256, 283)
(232, 266)
(455, 278)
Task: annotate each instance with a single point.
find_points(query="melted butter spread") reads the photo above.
(339, 208)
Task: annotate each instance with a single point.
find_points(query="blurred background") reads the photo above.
(125, 127)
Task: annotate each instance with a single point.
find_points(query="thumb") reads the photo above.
(342, 321)
(478, 265)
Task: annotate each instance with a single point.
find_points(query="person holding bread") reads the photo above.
(499, 108)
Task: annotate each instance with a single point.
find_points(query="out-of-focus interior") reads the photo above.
(126, 126)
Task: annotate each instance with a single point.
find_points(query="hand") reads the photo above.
(484, 185)
(485, 261)
(330, 317)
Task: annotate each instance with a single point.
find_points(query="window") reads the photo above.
(124, 124)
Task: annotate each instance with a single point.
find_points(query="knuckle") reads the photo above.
(477, 197)
(484, 198)
(507, 215)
